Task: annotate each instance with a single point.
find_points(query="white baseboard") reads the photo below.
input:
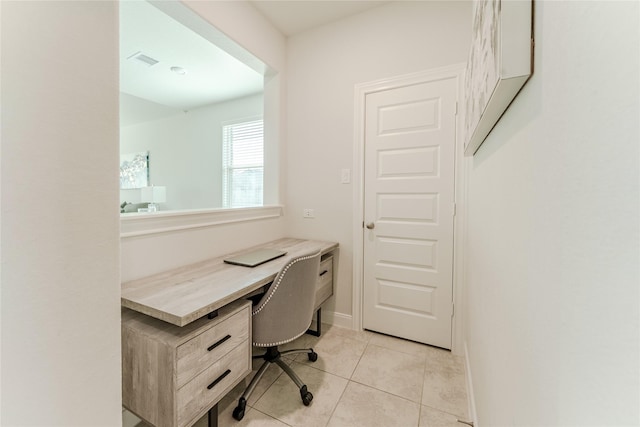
(470, 395)
(337, 319)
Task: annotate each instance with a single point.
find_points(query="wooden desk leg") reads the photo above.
(213, 416)
(318, 330)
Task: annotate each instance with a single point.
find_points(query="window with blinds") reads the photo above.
(242, 164)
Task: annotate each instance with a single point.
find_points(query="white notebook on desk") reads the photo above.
(256, 257)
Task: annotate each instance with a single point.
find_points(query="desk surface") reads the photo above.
(184, 294)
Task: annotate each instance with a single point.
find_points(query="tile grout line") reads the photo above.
(424, 379)
(444, 411)
(272, 417)
(369, 342)
(389, 393)
(349, 380)
(266, 389)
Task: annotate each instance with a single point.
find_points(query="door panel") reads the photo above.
(406, 296)
(409, 196)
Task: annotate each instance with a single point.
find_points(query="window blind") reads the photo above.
(242, 164)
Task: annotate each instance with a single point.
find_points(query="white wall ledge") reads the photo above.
(141, 224)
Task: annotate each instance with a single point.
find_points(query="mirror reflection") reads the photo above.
(191, 121)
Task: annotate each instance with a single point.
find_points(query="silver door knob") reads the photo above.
(371, 226)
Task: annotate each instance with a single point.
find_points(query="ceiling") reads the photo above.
(212, 75)
(293, 17)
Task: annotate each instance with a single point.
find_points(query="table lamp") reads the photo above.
(153, 195)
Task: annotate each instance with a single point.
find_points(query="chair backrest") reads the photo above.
(285, 311)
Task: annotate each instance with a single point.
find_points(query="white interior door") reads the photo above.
(408, 211)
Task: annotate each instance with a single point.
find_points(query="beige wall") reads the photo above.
(553, 231)
(60, 302)
(324, 65)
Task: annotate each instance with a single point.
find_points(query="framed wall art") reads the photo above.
(134, 170)
(500, 62)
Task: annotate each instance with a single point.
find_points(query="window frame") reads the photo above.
(227, 164)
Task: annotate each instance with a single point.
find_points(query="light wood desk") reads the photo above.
(186, 333)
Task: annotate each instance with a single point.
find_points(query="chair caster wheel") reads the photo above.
(306, 396)
(238, 413)
(313, 356)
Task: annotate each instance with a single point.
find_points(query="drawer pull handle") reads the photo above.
(324, 272)
(220, 378)
(212, 346)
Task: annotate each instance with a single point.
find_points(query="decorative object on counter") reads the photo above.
(153, 195)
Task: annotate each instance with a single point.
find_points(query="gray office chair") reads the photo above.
(283, 314)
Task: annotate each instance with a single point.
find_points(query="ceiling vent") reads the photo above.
(144, 59)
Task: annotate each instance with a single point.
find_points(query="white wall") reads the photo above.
(553, 295)
(185, 150)
(60, 304)
(242, 23)
(324, 65)
(60, 308)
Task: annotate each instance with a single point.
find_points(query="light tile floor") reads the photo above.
(360, 379)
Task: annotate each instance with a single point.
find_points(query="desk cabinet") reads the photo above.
(171, 375)
(324, 287)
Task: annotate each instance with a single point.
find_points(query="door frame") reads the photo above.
(455, 71)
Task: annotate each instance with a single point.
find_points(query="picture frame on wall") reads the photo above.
(134, 170)
(500, 63)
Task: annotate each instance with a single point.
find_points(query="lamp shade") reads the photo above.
(153, 194)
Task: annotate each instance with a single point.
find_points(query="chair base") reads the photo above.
(273, 355)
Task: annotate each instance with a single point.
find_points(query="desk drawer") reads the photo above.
(199, 394)
(324, 287)
(208, 347)
(158, 355)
